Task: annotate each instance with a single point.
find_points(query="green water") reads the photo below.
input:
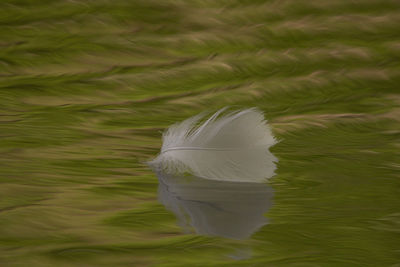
(86, 87)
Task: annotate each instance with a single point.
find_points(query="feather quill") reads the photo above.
(228, 146)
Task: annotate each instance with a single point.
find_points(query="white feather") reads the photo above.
(229, 147)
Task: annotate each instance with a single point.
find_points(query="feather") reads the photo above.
(228, 146)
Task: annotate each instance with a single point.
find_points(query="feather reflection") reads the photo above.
(216, 208)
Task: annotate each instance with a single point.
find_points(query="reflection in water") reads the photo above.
(217, 208)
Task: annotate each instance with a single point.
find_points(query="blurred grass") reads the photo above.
(87, 86)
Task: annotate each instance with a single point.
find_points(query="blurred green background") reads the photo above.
(87, 86)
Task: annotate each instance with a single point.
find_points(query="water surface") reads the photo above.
(86, 87)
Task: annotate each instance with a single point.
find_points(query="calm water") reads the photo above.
(86, 87)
